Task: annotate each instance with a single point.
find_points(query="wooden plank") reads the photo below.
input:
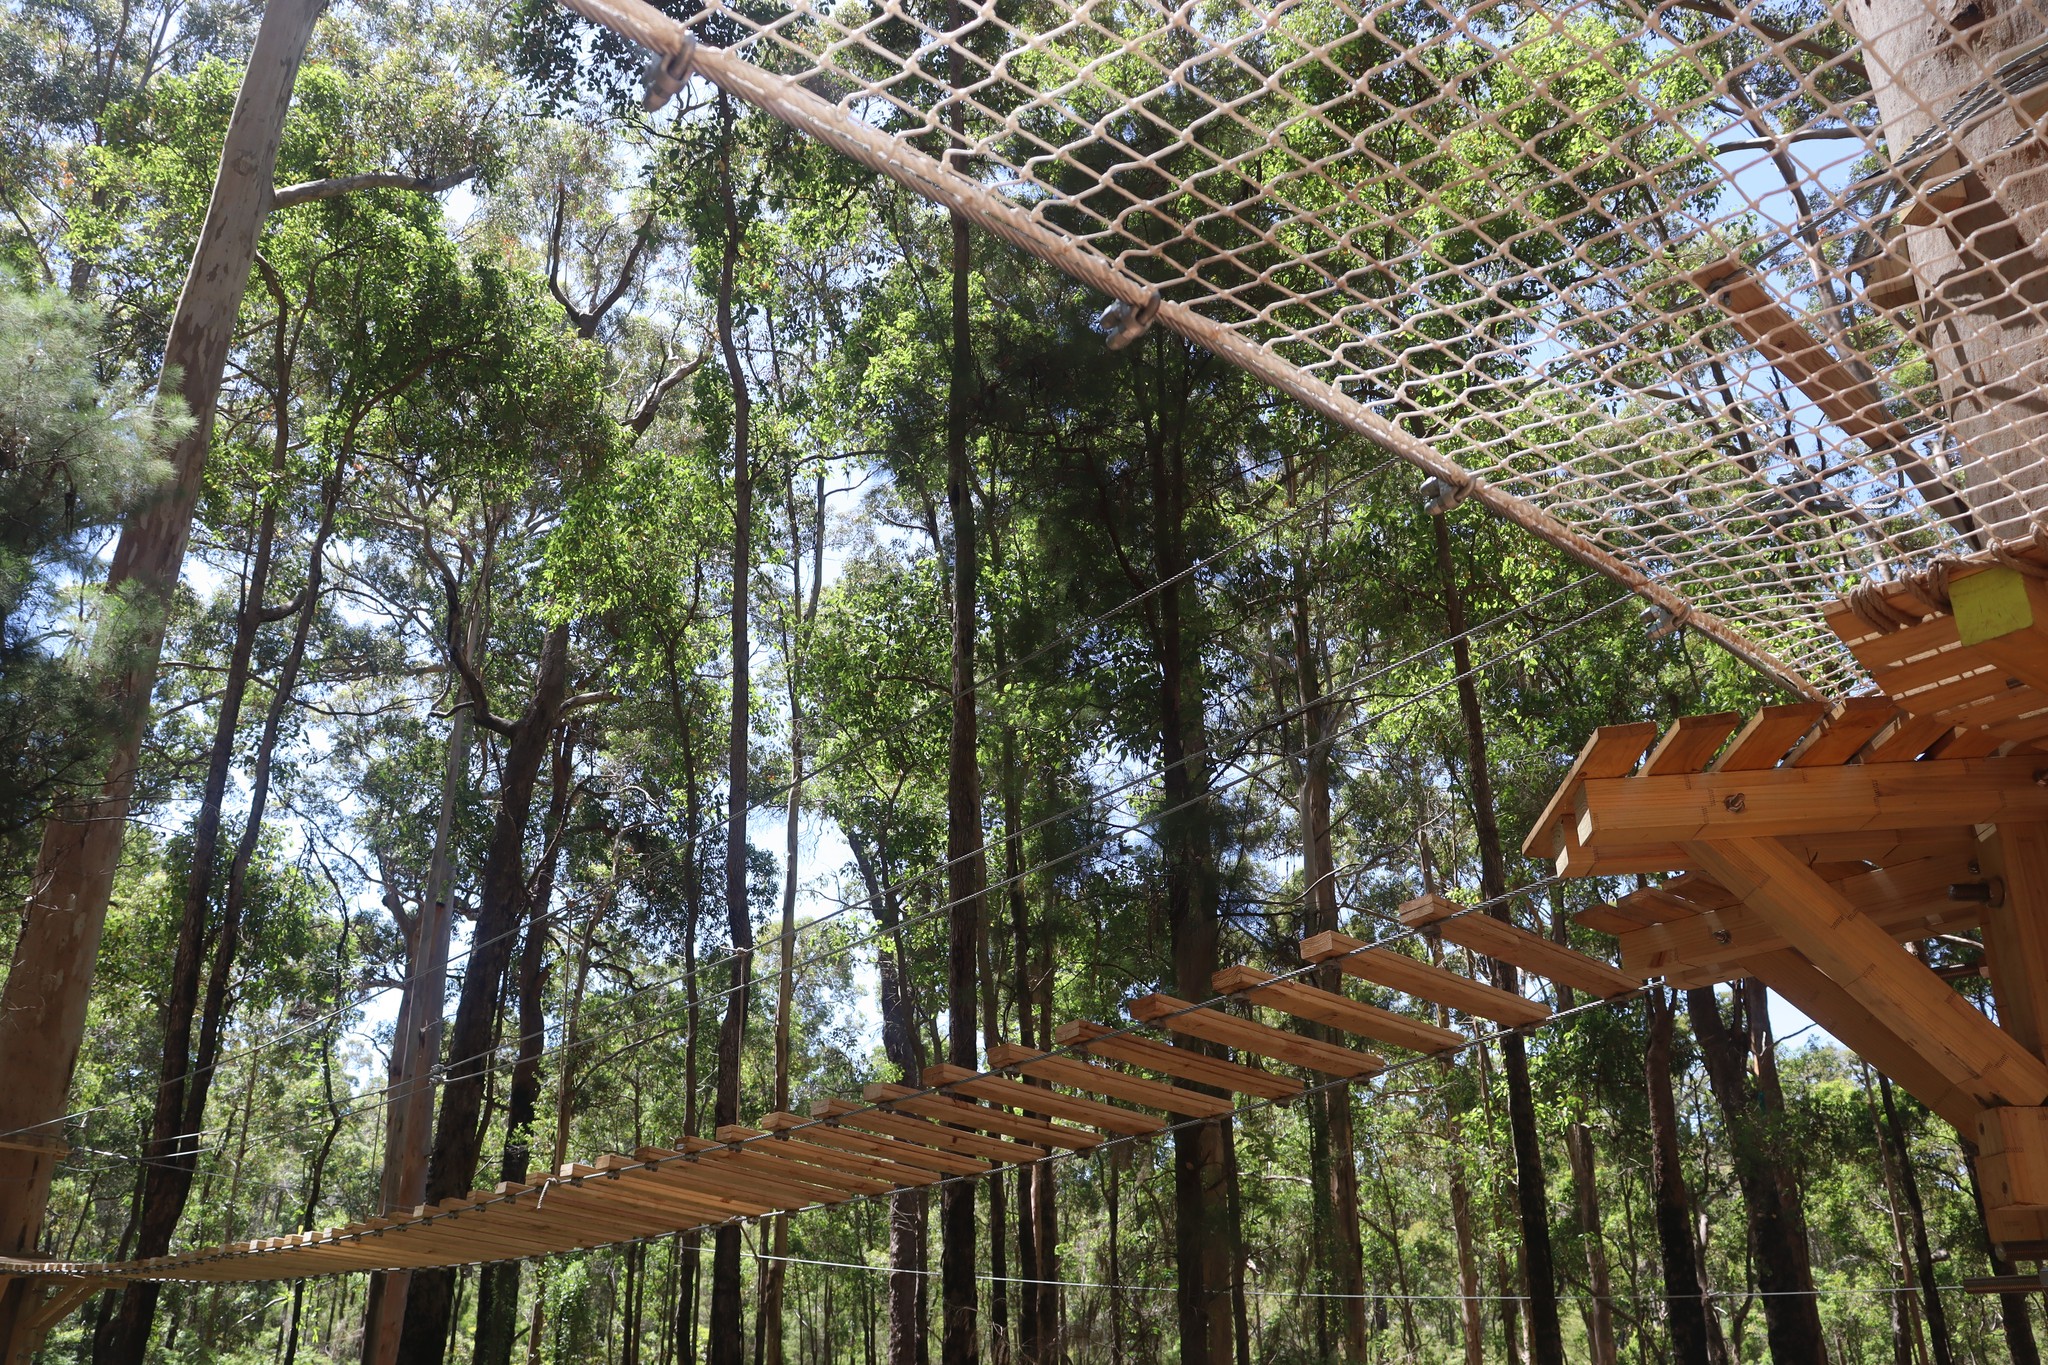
(1856, 954)
(1511, 944)
(762, 1160)
(688, 1175)
(1102, 1080)
(1041, 1099)
(2016, 932)
(1770, 732)
(951, 1140)
(1690, 744)
(852, 1163)
(1304, 1001)
(1384, 967)
(1867, 1034)
(1905, 739)
(1181, 1063)
(965, 1114)
(836, 1134)
(1951, 793)
(1968, 741)
(1844, 733)
(1612, 751)
(1182, 1017)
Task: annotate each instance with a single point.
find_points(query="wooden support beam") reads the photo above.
(1304, 1001)
(1850, 726)
(966, 1114)
(1040, 1099)
(1776, 802)
(1881, 846)
(2016, 932)
(1102, 1080)
(843, 1136)
(1181, 1063)
(1768, 735)
(1385, 967)
(1691, 743)
(1908, 902)
(1183, 1018)
(831, 1159)
(2012, 1155)
(1505, 942)
(1869, 1036)
(1612, 751)
(936, 1136)
(1965, 1047)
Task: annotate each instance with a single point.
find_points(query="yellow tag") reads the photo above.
(1990, 604)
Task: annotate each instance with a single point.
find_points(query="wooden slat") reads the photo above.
(1184, 1018)
(1905, 739)
(1940, 1025)
(1507, 943)
(1384, 967)
(1612, 751)
(1844, 733)
(1304, 1001)
(1691, 743)
(852, 1163)
(698, 1174)
(850, 1115)
(764, 1160)
(1938, 793)
(1178, 1062)
(846, 1138)
(1103, 1080)
(964, 1114)
(1770, 732)
(1968, 741)
(1041, 1099)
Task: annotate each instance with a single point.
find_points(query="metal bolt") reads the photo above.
(1734, 802)
(1722, 936)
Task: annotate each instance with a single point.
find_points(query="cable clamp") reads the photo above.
(1125, 324)
(669, 73)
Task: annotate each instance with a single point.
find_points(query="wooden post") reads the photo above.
(2016, 932)
(1982, 284)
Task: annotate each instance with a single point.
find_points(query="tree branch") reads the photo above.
(284, 196)
(650, 402)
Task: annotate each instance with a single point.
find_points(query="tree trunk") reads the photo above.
(728, 1331)
(1777, 1224)
(497, 1293)
(43, 1007)
(1685, 1309)
(1546, 1333)
(899, 1044)
(458, 1134)
(2014, 1314)
(1916, 1217)
(1578, 1146)
(1030, 1346)
(1979, 273)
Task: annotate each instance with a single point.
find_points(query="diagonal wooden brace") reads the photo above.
(1942, 1028)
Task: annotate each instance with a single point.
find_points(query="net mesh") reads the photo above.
(1746, 305)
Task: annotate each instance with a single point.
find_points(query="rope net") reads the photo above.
(1743, 305)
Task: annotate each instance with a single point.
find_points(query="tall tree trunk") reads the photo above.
(1777, 1224)
(458, 1133)
(43, 1006)
(1686, 1310)
(497, 1293)
(900, 1046)
(1030, 1341)
(1916, 1215)
(1579, 1150)
(2014, 1313)
(728, 1331)
(1532, 1204)
(966, 866)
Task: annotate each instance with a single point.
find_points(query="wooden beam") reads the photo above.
(1776, 802)
(895, 1172)
(1505, 942)
(1881, 846)
(966, 1114)
(1040, 1099)
(835, 1133)
(1103, 1080)
(1965, 1047)
(1870, 1036)
(1770, 732)
(1184, 1064)
(1304, 1001)
(934, 1135)
(2016, 932)
(1182, 1017)
(1844, 733)
(1691, 743)
(1611, 751)
(1385, 967)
